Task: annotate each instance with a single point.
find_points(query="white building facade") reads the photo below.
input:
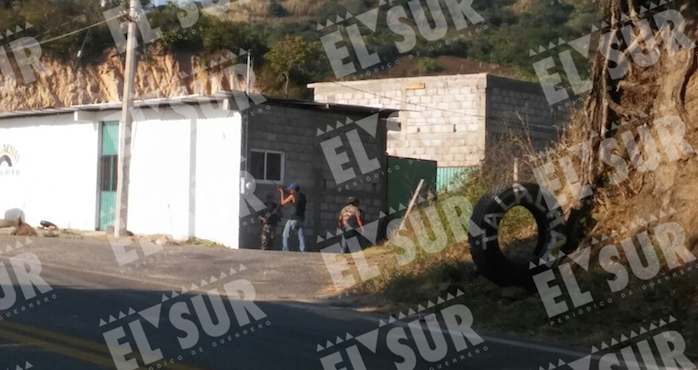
(60, 166)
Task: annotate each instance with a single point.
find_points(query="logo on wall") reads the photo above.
(8, 160)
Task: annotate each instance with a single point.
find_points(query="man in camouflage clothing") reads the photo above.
(349, 220)
(269, 219)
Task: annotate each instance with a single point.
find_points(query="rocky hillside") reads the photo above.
(268, 28)
(160, 75)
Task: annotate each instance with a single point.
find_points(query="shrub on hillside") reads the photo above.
(427, 65)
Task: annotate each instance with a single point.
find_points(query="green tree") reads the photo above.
(293, 59)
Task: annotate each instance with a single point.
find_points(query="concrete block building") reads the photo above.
(452, 119)
(200, 166)
(292, 134)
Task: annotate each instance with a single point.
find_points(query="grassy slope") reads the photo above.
(518, 311)
(521, 312)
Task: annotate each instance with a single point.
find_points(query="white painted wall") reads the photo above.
(185, 171)
(159, 187)
(217, 190)
(57, 166)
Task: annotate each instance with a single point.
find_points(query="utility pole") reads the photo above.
(249, 72)
(126, 126)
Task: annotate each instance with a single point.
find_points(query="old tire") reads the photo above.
(484, 228)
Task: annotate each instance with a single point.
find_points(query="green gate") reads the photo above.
(452, 178)
(108, 161)
(403, 177)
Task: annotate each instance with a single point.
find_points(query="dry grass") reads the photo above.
(452, 268)
(261, 9)
(424, 278)
(303, 8)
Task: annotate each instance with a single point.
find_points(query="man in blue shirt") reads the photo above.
(296, 201)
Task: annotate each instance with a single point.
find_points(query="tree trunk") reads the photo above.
(605, 105)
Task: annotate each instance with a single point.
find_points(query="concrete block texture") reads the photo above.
(293, 131)
(461, 110)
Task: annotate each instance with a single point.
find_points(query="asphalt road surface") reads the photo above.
(70, 305)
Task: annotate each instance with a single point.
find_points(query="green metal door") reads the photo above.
(108, 161)
(405, 175)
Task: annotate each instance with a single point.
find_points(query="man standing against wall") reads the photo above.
(296, 201)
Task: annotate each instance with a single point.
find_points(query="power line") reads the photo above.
(71, 33)
(68, 34)
(434, 108)
(407, 101)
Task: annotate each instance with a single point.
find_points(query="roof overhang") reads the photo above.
(226, 101)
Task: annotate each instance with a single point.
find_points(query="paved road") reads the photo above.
(71, 299)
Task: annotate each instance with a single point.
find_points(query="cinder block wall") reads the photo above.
(450, 119)
(514, 106)
(294, 132)
(442, 117)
